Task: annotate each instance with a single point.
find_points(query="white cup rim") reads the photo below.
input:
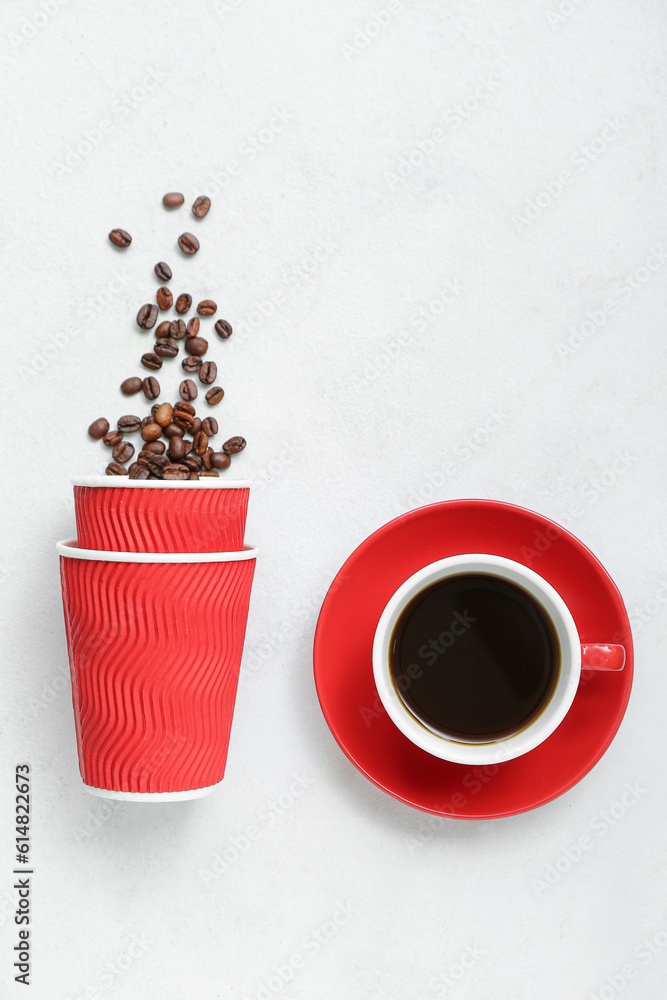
(70, 550)
(122, 482)
(566, 686)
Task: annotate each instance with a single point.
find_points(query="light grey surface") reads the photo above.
(474, 320)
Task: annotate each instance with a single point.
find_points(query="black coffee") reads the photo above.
(474, 657)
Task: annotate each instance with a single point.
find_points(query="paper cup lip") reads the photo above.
(70, 550)
(115, 482)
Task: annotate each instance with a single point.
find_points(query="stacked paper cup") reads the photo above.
(155, 592)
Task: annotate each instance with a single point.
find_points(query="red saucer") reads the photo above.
(344, 671)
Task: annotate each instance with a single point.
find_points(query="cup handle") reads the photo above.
(602, 656)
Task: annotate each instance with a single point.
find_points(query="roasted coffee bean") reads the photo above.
(192, 328)
(177, 329)
(193, 462)
(223, 329)
(163, 414)
(177, 449)
(131, 386)
(209, 473)
(214, 395)
(151, 387)
(151, 361)
(199, 443)
(140, 472)
(165, 348)
(163, 271)
(193, 475)
(187, 389)
(201, 206)
(209, 425)
(128, 424)
(207, 458)
(183, 303)
(147, 316)
(175, 472)
(196, 346)
(142, 459)
(207, 307)
(234, 445)
(120, 238)
(123, 452)
(154, 448)
(184, 415)
(173, 200)
(147, 420)
(154, 408)
(188, 243)
(98, 428)
(162, 329)
(156, 462)
(196, 426)
(114, 469)
(172, 430)
(185, 408)
(221, 460)
(133, 467)
(191, 365)
(208, 373)
(112, 438)
(151, 432)
(164, 298)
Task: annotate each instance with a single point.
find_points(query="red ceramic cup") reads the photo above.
(155, 644)
(118, 514)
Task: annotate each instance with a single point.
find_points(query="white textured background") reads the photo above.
(424, 222)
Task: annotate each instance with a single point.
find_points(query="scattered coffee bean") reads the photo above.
(199, 443)
(147, 316)
(191, 365)
(234, 445)
(120, 238)
(173, 200)
(220, 460)
(201, 206)
(162, 329)
(196, 426)
(140, 472)
(193, 462)
(114, 469)
(192, 328)
(98, 428)
(123, 452)
(188, 243)
(196, 346)
(164, 298)
(165, 348)
(154, 448)
(208, 373)
(148, 420)
(151, 387)
(151, 361)
(175, 472)
(183, 303)
(214, 395)
(177, 329)
(163, 414)
(177, 449)
(207, 458)
(172, 430)
(128, 425)
(154, 409)
(223, 329)
(209, 473)
(163, 271)
(187, 389)
(184, 415)
(151, 432)
(207, 307)
(112, 438)
(209, 425)
(131, 386)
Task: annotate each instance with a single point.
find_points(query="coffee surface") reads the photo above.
(474, 657)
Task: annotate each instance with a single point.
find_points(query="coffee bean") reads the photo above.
(184, 415)
(221, 460)
(164, 298)
(193, 462)
(165, 348)
(98, 428)
(163, 271)
(131, 386)
(147, 316)
(234, 445)
(123, 452)
(207, 458)
(128, 425)
(114, 469)
(151, 432)
(201, 206)
(191, 365)
(223, 329)
(142, 459)
(208, 373)
(192, 328)
(175, 472)
(183, 303)
(151, 361)
(193, 475)
(196, 426)
(157, 462)
(172, 430)
(140, 472)
(196, 345)
(112, 438)
(177, 329)
(163, 414)
(199, 443)
(187, 389)
(154, 448)
(214, 395)
(162, 329)
(151, 387)
(147, 420)
(210, 473)
(120, 238)
(188, 243)
(173, 200)
(209, 426)
(177, 449)
(154, 409)
(207, 307)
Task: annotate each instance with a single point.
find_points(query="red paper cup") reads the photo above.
(155, 644)
(118, 514)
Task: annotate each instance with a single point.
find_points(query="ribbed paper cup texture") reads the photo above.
(155, 650)
(153, 516)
